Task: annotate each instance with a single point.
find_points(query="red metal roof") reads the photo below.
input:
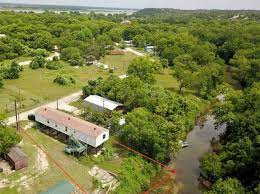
(71, 121)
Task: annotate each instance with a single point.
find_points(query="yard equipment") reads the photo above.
(75, 147)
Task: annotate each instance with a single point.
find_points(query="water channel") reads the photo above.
(187, 161)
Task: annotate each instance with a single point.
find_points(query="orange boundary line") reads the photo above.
(147, 157)
(156, 186)
(55, 162)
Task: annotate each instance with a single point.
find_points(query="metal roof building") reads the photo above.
(17, 158)
(99, 103)
(82, 130)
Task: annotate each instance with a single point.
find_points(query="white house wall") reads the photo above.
(93, 141)
(100, 139)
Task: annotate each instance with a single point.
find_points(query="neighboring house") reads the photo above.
(126, 22)
(149, 49)
(117, 52)
(81, 130)
(17, 158)
(128, 42)
(101, 104)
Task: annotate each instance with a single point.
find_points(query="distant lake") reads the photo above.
(103, 11)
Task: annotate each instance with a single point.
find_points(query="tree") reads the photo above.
(144, 68)
(207, 78)
(8, 138)
(38, 62)
(64, 80)
(184, 66)
(13, 72)
(1, 82)
(70, 53)
(230, 186)
(139, 41)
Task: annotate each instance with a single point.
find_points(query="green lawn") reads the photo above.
(120, 62)
(37, 180)
(36, 87)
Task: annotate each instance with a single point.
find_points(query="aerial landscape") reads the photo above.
(129, 97)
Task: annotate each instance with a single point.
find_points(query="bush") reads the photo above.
(54, 65)
(8, 138)
(64, 80)
(39, 52)
(79, 62)
(13, 72)
(1, 82)
(38, 62)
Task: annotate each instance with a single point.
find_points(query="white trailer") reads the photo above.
(83, 131)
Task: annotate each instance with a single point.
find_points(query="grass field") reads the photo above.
(36, 87)
(120, 62)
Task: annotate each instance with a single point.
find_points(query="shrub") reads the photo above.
(39, 52)
(64, 80)
(1, 81)
(54, 65)
(38, 62)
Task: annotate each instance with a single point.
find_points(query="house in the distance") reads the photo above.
(101, 104)
(149, 49)
(83, 131)
(126, 22)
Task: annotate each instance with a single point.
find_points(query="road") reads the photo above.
(65, 100)
(50, 58)
(128, 49)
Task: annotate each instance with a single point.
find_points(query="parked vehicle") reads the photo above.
(184, 144)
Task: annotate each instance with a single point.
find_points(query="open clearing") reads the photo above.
(36, 87)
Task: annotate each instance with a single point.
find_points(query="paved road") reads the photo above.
(135, 52)
(65, 100)
(50, 58)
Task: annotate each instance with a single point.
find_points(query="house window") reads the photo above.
(104, 136)
(66, 128)
(48, 121)
(56, 125)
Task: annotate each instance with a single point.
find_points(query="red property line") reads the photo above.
(159, 184)
(166, 178)
(147, 157)
(54, 161)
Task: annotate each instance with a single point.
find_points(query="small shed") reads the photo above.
(17, 158)
(63, 187)
(101, 104)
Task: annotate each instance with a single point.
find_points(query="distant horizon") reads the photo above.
(114, 4)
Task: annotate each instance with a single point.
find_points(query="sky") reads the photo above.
(177, 4)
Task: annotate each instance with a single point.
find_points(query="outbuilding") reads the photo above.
(149, 49)
(101, 104)
(17, 158)
(84, 131)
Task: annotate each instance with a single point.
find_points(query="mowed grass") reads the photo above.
(37, 180)
(36, 87)
(120, 62)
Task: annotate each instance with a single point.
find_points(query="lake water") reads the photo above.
(186, 162)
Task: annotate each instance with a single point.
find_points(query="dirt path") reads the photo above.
(134, 52)
(50, 58)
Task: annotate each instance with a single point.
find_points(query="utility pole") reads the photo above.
(16, 115)
(57, 104)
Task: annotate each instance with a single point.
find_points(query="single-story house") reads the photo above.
(17, 158)
(101, 104)
(128, 42)
(84, 131)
